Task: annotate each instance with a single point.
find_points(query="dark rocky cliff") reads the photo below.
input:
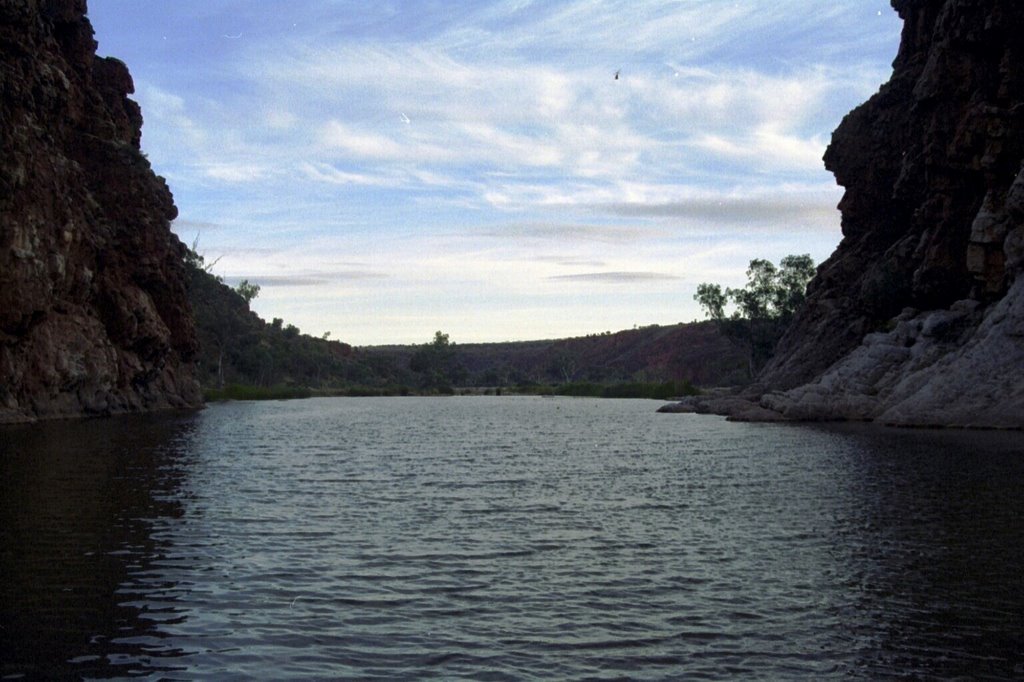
(918, 317)
(94, 317)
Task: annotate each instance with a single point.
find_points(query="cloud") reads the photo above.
(779, 209)
(275, 281)
(612, 27)
(305, 279)
(481, 153)
(798, 205)
(322, 172)
(766, 147)
(235, 172)
(279, 118)
(359, 143)
(439, 109)
(574, 232)
(460, 109)
(168, 115)
(181, 225)
(615, 277)
(570, 261)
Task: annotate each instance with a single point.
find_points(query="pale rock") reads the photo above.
(933, 246)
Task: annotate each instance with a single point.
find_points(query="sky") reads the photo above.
(384, 170)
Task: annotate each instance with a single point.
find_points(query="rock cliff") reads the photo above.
(918, 317)
(94, 317)
(922, 303)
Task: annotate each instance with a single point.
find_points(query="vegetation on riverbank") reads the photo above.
(667, 390)
(763, 309)
(247, 392)
(242, 357)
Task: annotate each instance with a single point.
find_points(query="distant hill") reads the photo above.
(238, 347)
(696, 353)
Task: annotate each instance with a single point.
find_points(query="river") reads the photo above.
(506, 538)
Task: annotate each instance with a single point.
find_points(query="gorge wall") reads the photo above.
(94, 317)
(923, 301)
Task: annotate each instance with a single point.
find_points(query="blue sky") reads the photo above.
(387, 169)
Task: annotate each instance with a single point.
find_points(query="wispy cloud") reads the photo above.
(570, 261)
(304, 279)
(275, 280)
(441, 107)
(471, 156)
(235, 172)
(615, 277)
(574, 232)
(323, 172)
(184, 226)
(781, 209)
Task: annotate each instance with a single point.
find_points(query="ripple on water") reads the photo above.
(507, 538)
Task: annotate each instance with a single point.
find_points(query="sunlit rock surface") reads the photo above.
(93, 313)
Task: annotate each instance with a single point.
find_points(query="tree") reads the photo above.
(436, 363)
(764, 306)
(712, 300)
(247, 291)
(564, 365)
(794, 274)
(756, 300)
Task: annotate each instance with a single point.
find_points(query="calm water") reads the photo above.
(506, 538)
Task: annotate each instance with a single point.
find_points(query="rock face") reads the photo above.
(923, 301)
(94, 317)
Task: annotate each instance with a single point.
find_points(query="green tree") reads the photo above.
(712, 300)
(756, 300)
(436, 362)
(763, 308)
(794, 274)
(247, 291)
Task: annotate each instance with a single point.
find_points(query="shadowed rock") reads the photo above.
(918, 316)
(93, 313)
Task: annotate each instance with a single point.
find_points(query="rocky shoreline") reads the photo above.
(917, 319)
(923, 373)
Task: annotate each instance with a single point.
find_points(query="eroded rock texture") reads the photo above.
(923, 300)
(93, 311)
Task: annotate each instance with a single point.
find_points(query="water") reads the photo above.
(506, 538)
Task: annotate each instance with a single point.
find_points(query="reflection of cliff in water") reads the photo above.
(79, 507)
(931, 541)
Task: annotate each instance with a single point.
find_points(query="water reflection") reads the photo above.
(506, 538)
(78, 501)
(933, 543)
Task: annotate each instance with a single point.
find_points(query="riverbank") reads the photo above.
(666, 390)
